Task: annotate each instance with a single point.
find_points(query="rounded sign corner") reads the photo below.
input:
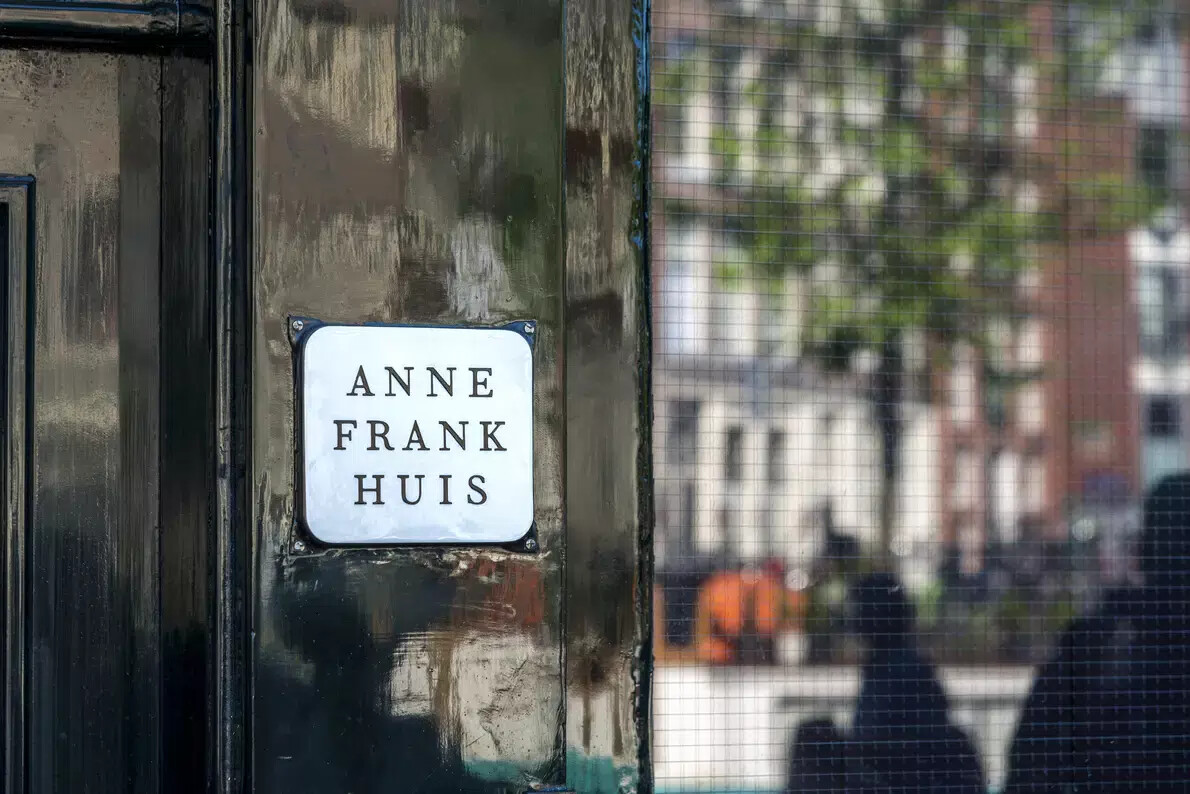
(304, 529)
(526, 330)
(305, 335)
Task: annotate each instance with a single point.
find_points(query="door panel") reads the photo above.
(97, 421)
(86, 128)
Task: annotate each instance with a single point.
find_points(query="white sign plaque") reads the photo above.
(417, 435)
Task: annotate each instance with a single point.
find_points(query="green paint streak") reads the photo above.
(599, 775)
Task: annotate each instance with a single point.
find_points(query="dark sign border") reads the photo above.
(299, 330)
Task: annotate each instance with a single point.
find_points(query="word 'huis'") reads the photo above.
(380, 435)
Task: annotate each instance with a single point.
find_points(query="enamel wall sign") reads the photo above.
(413, 435)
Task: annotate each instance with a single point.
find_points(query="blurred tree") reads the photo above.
(883, 158)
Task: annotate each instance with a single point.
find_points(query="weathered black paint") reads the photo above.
(233, 589)
(117, 22)
(609, 495)
(187, 440)
(106, 517)
(359, 221)
(166, 626)
(19, 197)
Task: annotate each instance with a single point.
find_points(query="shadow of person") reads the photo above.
(901, 737)
(1110, 711)
(326, 722)
(819, 759)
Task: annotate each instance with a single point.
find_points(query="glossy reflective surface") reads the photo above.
(16, 195)
(86, 127)
(187, 424)
(607, 415)
(110, 20)
(106, 502)
(407, 169)
(407, 165)
(411, 166)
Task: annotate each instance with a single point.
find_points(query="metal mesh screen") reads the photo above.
(922, 395)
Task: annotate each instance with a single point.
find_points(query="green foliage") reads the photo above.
(731, 271)
(899, 263)
(1115, 203)
(922, 232)
(902, 151)
(726, 147)
(673, 80)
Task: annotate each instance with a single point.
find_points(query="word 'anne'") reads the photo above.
(434, 381)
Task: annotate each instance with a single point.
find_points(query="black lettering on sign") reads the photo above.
(402, 382)
(490, 435)
(359, 480)
(449, 386)
(460, 437)
(480, 492)
(478, 383)
(343, 435)
(374, 425)
(361, 382)
(415, 437)
(404, 478)
(440, 383)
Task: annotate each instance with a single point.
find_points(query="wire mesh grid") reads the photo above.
(921, 389)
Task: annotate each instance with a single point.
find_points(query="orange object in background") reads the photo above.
(738, 617)
(734, 611)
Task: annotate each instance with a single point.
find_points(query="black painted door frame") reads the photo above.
(108, 320)
(577, 213)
